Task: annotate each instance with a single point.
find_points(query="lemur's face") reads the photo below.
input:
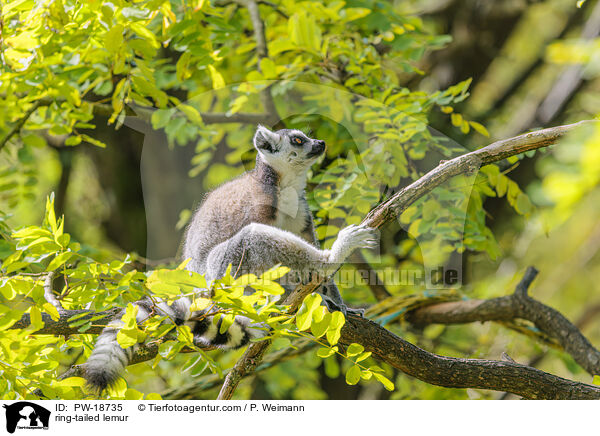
(287, 149)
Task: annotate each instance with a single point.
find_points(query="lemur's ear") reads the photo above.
(264, 139)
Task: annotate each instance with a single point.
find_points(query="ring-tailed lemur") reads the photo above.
(253, 222)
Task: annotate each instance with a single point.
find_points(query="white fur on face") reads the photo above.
(290, 162)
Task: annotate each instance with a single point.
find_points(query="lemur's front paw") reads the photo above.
(351, 238)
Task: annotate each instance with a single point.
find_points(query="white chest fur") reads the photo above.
(291, 209)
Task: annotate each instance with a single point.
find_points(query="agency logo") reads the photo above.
(26, 415)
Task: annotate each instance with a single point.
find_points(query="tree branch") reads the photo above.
(504, 376)
(452, 372)
(517, 305)
(106, 110)
(393, 207)
(369, 275)
(255, 352)
(19, 124)
(467, 163)
(49, 292)
(262, 52)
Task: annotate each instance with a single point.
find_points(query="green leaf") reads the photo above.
(363, 356)
(281, 343)
(36, 318)
(170, 348)
(354, 349)
(144, 33)
(200, 304)
(31, 232)
(304, 315)
(350, 14)
(50, 216)
(353, 375)
(433, 331)
(479, 128)
(59, 260)
(335, 327)
(70, 382)
(456, 119)
(113, 39)
(132, 394)
(128, 334)
(52, 311)
(226, 322)
(118, 389)
(268, 68)
(321, 321)
(523, 204)
(127, 338)
(384, 381)
(167, 282)
(271, 288)
(9, 318)
(184, 334)
(92, 141)
(275, 273)
(304, 32)
(326, 352)
(191, 113)
(216, 77)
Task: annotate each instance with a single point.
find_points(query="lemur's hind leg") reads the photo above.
(258, 247)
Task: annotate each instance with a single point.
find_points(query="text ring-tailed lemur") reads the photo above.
(253, 222)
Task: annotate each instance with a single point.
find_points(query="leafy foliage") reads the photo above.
(338, 67)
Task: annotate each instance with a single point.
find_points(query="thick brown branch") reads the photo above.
(443, 371)
(452, 372)
(61, 326)
(518, 305)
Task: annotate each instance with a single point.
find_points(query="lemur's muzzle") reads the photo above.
(318, 147)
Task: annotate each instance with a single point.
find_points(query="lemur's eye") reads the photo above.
(297, 140)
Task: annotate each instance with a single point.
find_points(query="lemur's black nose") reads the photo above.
(318, 147)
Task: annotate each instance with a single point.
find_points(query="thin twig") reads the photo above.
(19, 124)
(106, 110)
(369, 275)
